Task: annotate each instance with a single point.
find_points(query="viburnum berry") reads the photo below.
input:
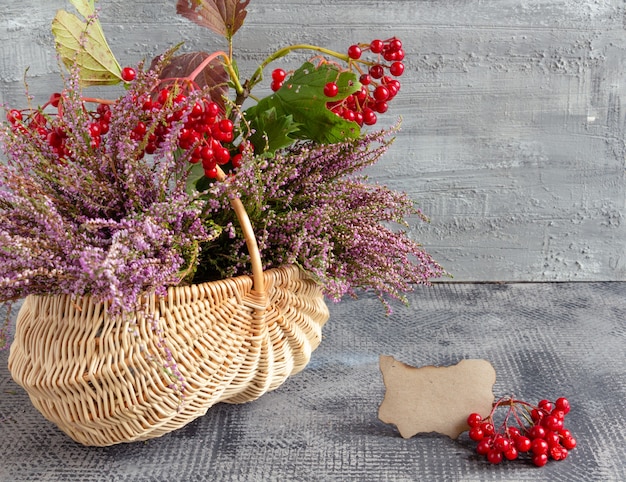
(376, 46)
(278, 75)
(494, 456)
(476, 433)
(354, 52)
(540, 460)
(562, 403)
(14, 116)
(511, 453)
(474, 419)
(376, 71)
(331, 89)
(381, 93)
(128, 74)
(396, 69)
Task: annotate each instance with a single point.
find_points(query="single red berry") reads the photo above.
(539, 446)
(128, 74)
(211, 173)
(398, 55)
(558, 453)
(140, 129)
(483, 446)
(569, 442)
(474, 419)
(369, 117)
(522, 444)
(365, 79)
(354, 52)
(164, 94)
(278, 75)
(94, 129)
(476, 434)
(376, 71)
(537, 414)
(540, 460)
(552, 423)
(197, 110)
(494, 456)
(14, 116)
(536, 432)
(501, 443)
(331, 89)
(396, 69)
(55, 98)
(511, 453)
(206, 153)
(236, 160)
(395, 44)
(376, 46)
(562, 403)
(381, 93)
(565, 433)
(222, 156)
(488, 428)
(211, 109)
(546, 405)
(381, 107)
(275, 85)
(513, 432)
(226, 125)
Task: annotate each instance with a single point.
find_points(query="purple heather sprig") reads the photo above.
(309, 207)
(95, 219)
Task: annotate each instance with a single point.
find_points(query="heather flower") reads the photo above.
(311, 205)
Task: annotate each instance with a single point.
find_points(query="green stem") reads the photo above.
(258, 73)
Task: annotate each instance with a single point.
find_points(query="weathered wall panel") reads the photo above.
(513, 124)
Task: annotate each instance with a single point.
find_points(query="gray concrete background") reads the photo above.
(513, 139)
(544, 340)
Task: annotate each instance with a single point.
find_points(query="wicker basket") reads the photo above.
(102, 381)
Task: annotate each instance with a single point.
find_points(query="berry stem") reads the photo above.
(257, 76)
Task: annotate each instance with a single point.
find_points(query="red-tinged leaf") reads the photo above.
(224, 17)
(213, 76)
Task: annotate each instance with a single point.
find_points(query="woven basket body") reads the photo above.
(102, 381)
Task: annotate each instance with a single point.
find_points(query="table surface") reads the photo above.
(544, 340)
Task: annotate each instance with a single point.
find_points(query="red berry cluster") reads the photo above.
(526, 429)
(207, 135)
(36, 123)
(377, 87)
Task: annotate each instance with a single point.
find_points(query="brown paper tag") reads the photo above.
(435, 399)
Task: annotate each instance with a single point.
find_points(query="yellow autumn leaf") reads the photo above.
(82, 43)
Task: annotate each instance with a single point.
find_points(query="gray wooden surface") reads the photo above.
(513, 138)
(544, 340)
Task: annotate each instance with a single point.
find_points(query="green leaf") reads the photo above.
(301, 99)
(82, 43)
(196, 180)
(223, 17)
(272, 131)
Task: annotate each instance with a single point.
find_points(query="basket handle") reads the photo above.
(258, 280)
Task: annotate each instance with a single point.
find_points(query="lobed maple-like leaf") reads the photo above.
(213, 76)
(82, 43)
(224, 17)
(301, 100)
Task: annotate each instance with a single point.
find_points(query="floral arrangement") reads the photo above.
(114, 198)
